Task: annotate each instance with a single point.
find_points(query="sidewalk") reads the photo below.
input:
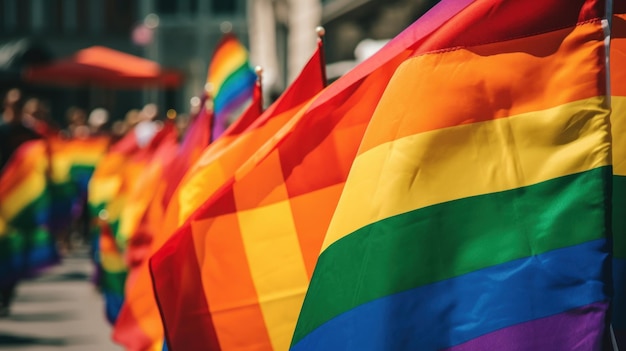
(60, 310)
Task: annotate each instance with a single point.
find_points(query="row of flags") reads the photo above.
(462, 189)
(452, 192)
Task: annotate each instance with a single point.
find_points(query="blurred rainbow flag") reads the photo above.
(72, 164)
(113, 202)
(141, 208)
(26, 245)
(105, 186)
(138, 326)
(231, 81)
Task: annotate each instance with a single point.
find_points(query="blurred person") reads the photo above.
(76, 122)
(118, 130)
(76, 118)
(148, 125)
(131, 118)
(11, 106)
(36, 116)
(12, 134)
(98, 118)
(14, 131)
(21, 123)
(182, 123)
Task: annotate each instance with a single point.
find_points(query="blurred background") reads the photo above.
(180, 37)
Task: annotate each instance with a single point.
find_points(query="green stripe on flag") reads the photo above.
(619, 216)
(453, 238)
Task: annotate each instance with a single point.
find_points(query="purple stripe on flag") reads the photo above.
(549, 333)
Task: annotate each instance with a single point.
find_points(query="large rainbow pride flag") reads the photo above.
(476, 215)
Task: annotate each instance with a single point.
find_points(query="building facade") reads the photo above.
(182, 34)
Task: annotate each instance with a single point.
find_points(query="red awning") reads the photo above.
(104, 67)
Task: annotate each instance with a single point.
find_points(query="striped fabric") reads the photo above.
(105, 182)
(618, 126)
(112, 189)
(475, 215)
(128, 329)
(112, 271)
(197, 137)
(74, 160)
(231, 79)
(241, 140)
(72, 164)
(151, 168)
(138, 326)
(105, 189)
(187, 316)
(26, 245)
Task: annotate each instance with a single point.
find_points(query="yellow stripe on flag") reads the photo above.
(22, 195)
(618, 128)
(472, 159)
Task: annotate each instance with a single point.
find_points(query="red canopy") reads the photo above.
(104, 67)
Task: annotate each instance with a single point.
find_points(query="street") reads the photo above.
(59, 310)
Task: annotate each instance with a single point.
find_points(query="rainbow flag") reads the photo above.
(118, 205)
(138, 237)
(112, 274)
(239, 142)
(151, 168)
(72, 164)
(249, 116)
(231, 79)
(74, 160)
(476, 213)
(105, 182)
(139, 326)
(196, 139)
(26, 245)
(105, 186)
(618, 126)
(234, 275)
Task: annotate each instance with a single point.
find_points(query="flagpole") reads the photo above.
(207, 103)
(607, 24)
(259, 82)
(320, 44)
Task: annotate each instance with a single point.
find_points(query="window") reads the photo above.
(223, 7)
(166, 7)
(23, 8)
(121, 15)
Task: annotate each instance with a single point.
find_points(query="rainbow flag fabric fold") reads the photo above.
(476, 212)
